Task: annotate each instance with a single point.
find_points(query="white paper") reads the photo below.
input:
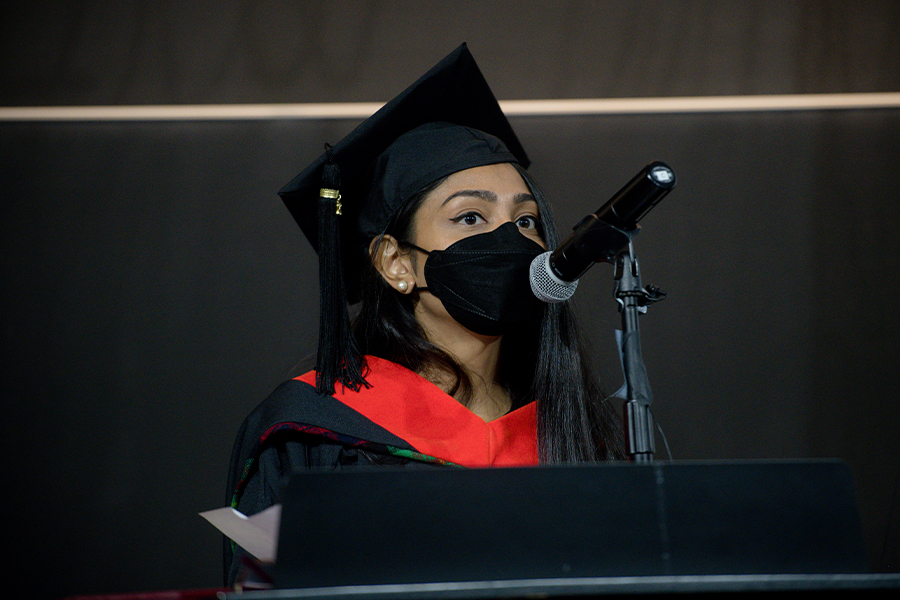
(258, 534)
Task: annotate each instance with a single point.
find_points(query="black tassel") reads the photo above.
(338, 358)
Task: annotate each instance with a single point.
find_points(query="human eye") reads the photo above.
(527, 222)
(469, 218)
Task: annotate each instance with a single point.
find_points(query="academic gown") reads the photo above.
(400, 420)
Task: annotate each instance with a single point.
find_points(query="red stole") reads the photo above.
(434, 423)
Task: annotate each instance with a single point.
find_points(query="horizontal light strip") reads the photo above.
(701, 104)
(361, 110)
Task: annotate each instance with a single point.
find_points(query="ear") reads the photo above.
(393, 263)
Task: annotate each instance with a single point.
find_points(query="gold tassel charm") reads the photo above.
(332, 195)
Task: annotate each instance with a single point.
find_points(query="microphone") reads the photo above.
(601, 235)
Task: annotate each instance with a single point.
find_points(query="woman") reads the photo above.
(450, 359)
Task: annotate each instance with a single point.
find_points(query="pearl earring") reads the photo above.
(402, 286)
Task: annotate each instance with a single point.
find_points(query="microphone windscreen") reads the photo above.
(546, 286)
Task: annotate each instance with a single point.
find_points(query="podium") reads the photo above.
(573, 531)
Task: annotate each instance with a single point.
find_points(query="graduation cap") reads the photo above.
(445, 122)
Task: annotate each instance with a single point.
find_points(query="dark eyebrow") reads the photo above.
(489, 196)
(483, 194)
(524, 198)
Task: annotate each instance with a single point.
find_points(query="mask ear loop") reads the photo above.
(423, 251)
(414, 247)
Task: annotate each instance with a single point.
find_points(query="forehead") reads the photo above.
(502, 180)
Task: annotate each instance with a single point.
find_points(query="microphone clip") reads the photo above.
(645, 296)
(629, 292)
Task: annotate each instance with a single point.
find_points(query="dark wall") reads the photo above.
(155, 289)
(239, 51)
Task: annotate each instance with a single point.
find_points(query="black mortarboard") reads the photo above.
(445, 122)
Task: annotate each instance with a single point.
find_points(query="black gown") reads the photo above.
(401, 420)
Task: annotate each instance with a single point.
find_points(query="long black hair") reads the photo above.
(540, 361)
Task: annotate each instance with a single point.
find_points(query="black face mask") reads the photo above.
(483, 280)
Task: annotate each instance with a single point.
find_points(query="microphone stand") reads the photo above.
(633, 300)
(606, 236)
